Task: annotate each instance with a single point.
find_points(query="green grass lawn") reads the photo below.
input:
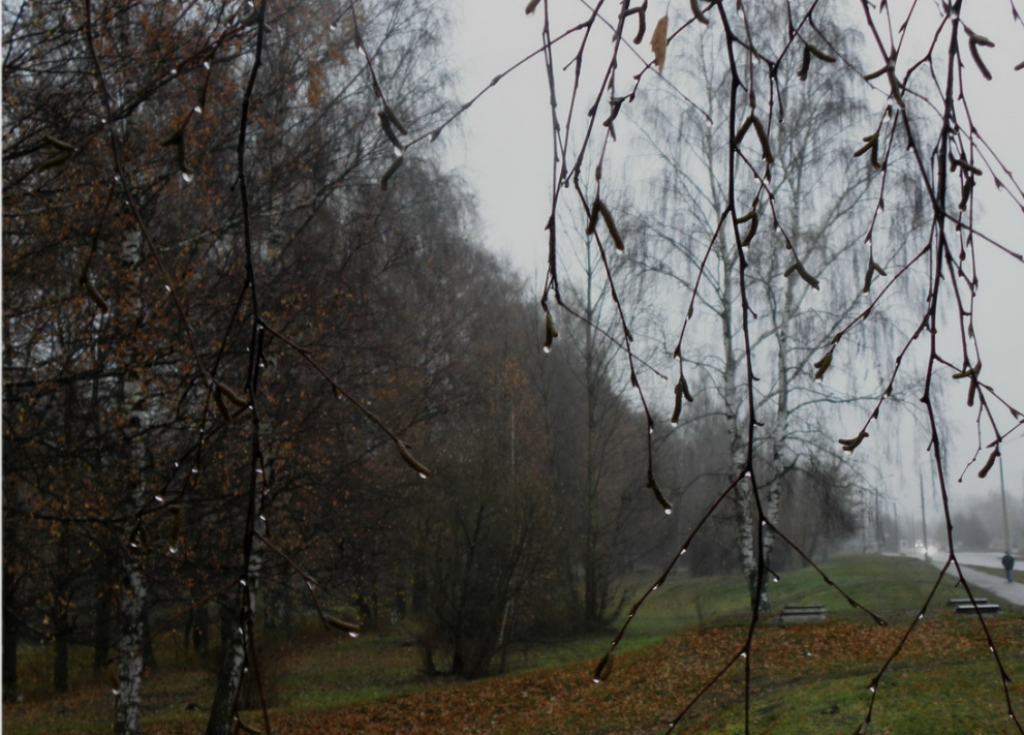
(959, 698)
(315, 671)
(892, 587)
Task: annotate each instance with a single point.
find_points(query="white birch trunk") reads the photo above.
(732, 397)
(132, 599)
(781, 453)
(233, 666)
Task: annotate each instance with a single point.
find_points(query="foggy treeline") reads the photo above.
(981, 526)
(126, 333)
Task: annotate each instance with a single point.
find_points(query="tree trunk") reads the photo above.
(61, 623)
(60, 660)
(748, 540)
(227, 617)
(201, 630)
(781, 454)
(10, 639)
(129, 670)
(233, 631)
(230, 677)
(132, 599)
(187, 633)
(732, 397)
(148, 654)
(101, 635)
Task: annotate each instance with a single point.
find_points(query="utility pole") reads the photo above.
(896, 527)
(924, 521)
(866, 513)
(513, 441)
(879, 530)
(1006, 516)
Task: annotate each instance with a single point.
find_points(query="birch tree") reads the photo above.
(798, 234)
(131, 126)
(920, 106)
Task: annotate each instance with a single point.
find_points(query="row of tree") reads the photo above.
(219, 327)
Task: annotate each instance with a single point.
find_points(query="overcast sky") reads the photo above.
(504, 150)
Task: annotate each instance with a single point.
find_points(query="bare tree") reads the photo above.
(818, 205)
(926, 110)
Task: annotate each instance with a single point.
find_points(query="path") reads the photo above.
(983, 583)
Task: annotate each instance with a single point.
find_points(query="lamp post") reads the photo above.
(924, 521)
(1006, 517)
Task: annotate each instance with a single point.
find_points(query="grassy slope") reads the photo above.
(806, 678)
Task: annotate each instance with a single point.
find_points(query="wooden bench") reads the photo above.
(955, 601)
(802, 614)
(985, 608)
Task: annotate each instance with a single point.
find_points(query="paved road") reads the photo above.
(984, 584)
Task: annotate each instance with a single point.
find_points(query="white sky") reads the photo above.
(504, 151)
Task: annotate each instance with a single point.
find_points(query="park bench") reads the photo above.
(956, 601)
(802, 614)
(985, 608)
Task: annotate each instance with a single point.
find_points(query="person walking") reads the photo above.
(1008, 566)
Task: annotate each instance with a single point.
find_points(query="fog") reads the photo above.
(504, 149)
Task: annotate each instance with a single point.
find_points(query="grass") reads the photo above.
(892, 587)
(316, 672)
(921, 694)
(330, 671)
(959, 699)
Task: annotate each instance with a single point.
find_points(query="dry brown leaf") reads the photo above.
(659, 41)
